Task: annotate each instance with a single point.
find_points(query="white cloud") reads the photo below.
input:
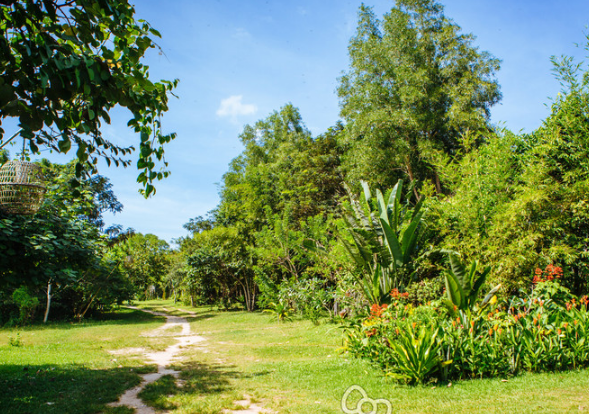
(233, 107)
(242, 34)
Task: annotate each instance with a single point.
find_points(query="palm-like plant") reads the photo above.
(383, 241)
(463, 285)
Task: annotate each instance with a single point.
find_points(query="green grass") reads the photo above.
(290, 367)
(66, 367)
(294, 367)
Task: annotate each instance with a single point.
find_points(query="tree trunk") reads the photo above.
(48, 303)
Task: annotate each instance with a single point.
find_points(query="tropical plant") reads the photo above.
(415, 354)
(529, 332)
(463, 285)
(280, 311)
(383, 241)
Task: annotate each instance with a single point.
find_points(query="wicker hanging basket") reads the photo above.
(21, 187)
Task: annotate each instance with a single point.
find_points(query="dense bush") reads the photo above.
(545, 330)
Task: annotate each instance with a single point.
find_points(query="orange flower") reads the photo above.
(565, 325)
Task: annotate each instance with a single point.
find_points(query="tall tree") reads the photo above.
(414, 86)
(64, 65)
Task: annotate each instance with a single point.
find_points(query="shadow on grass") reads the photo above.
(118, 317)
(40, 389)
(198, 380)
(200, 317)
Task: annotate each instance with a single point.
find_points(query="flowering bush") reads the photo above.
(545, 330)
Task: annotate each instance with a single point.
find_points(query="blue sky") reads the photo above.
(238, 61)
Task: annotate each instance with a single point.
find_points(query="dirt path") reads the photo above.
(162, 359)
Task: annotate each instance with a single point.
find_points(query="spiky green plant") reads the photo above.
(463, 285)
(383, 242)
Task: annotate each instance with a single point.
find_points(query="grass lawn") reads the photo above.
(65, 367)
(294, 367)
(291, 367)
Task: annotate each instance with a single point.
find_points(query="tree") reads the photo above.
(221, 268)
(519, 202)
(144, 260)
(65, 65)
(276, 190)
(414, 86)
(60, 247)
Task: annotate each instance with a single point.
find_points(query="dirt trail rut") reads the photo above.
(162, 359)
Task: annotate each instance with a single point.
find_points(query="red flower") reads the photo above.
(376, 310)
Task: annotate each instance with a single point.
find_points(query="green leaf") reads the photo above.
(382, 207)
(458, 269)
(64, 145)
(392, 243)
(367, 193)
(454, 290)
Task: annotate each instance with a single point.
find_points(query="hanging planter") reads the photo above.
(21, 187)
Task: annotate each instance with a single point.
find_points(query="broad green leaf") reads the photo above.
(392, 243)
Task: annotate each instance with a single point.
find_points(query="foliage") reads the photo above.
(425, 291)
(143, 260)
(415, 354)
(66, 65)
(280, 311)
(15, 341)
(218, 270)
(384, 241)
(62, 246)
(415, 85)
(518, 202)
(26, 304)
(529, 333)
(311, 298)
(463, 286)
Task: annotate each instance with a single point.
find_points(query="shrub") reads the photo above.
(545, 330)
(26, 304)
